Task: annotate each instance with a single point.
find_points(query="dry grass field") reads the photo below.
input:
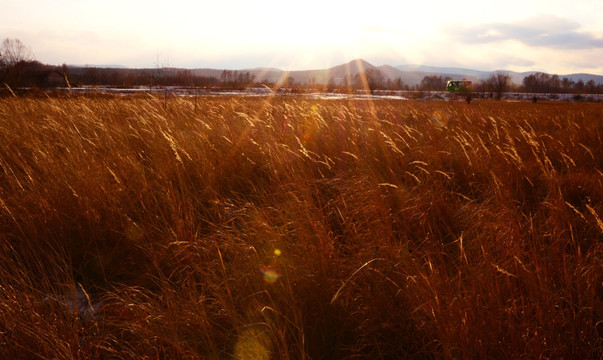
(286, 228)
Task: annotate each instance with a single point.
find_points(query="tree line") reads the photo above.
(18, 69)
(545, 83)
(16, 63)
(500, 82)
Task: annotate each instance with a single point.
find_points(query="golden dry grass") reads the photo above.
(404, 229)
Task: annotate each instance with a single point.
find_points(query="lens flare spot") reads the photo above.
(271, 273)
(252, 344)
(440, 118)
(277, 252)
(133, 232)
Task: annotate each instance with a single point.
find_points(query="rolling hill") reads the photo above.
(409, 74)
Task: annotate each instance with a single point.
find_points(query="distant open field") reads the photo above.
(313, 94)
(290, 228)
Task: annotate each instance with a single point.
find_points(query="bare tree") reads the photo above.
(14, 59)
(397, 84)
(499, 83)
(433, 83)
(591, 86)
(13, 51)
(370, 79)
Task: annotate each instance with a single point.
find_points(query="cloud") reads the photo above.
(540, 31)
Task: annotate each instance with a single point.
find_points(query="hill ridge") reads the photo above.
(410, 74)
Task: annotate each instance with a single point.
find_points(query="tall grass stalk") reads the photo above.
(285, 228)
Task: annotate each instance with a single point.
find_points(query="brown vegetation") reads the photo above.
(404, 229)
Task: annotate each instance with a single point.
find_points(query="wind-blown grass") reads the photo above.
(404, 229)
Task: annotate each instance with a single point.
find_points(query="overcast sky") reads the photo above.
(556, 36)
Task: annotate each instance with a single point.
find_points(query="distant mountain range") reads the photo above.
(409, 74)
(98, 66)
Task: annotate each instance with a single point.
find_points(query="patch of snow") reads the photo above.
(358, 95)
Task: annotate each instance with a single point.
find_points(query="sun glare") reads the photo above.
(313, 35)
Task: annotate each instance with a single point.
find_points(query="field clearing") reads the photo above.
(290, 228)
(318, 95)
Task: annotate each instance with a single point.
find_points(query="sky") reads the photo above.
(555, 36)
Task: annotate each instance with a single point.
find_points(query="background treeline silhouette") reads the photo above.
(19, 69)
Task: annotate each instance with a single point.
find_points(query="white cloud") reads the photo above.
(543, 30)
(311, 34)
